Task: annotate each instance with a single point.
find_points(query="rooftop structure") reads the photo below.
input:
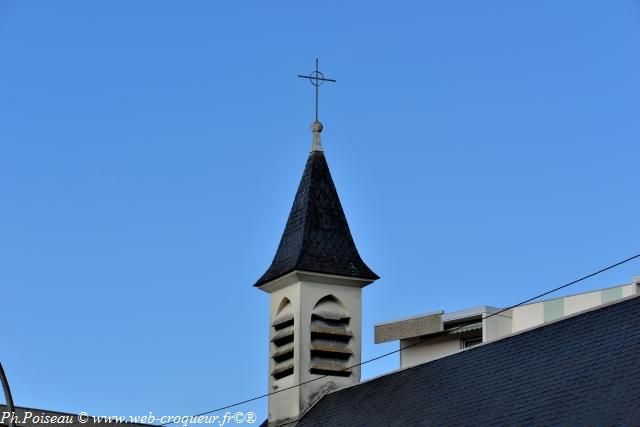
(436, 334)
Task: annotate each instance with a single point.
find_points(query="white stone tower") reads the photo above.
(315, 286)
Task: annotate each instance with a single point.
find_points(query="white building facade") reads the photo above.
(437, 334)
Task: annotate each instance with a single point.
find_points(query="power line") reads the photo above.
(421, 341)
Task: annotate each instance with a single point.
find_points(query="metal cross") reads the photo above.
(317, 79)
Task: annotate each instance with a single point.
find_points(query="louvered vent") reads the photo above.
(282, 341)
(330, 338)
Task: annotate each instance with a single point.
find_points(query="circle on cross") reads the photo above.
(316, 78)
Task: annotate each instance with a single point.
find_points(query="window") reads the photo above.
(330, 337)
(470, 342)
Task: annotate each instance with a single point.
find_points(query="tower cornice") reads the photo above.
(313, 277)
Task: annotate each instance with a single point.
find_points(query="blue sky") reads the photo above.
(149, 154)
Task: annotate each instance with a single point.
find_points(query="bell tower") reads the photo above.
(315, 288)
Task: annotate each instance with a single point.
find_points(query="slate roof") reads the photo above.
(317, 237)
(583, 370)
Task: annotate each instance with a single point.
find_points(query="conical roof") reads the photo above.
(317, 237)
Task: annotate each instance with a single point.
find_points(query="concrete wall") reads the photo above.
(285, 404)
(530, 315)
(351, 299)
(433, 349)
(496, 326)
(515, 320)
(303, 297)
(411, 327)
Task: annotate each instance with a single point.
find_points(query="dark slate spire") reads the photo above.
(317, 237)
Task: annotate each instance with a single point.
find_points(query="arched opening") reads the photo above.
(282, 340)
(330, 338)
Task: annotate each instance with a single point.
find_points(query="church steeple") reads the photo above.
(317, 236)
(315, 294)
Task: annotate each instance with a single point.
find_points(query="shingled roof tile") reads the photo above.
(317, 237)
(582, 370)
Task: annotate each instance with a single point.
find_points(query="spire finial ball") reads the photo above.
(316, 127)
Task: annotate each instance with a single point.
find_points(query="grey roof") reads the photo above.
(317, 237)
(583, 370)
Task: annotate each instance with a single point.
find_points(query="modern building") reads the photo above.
(429, 336)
